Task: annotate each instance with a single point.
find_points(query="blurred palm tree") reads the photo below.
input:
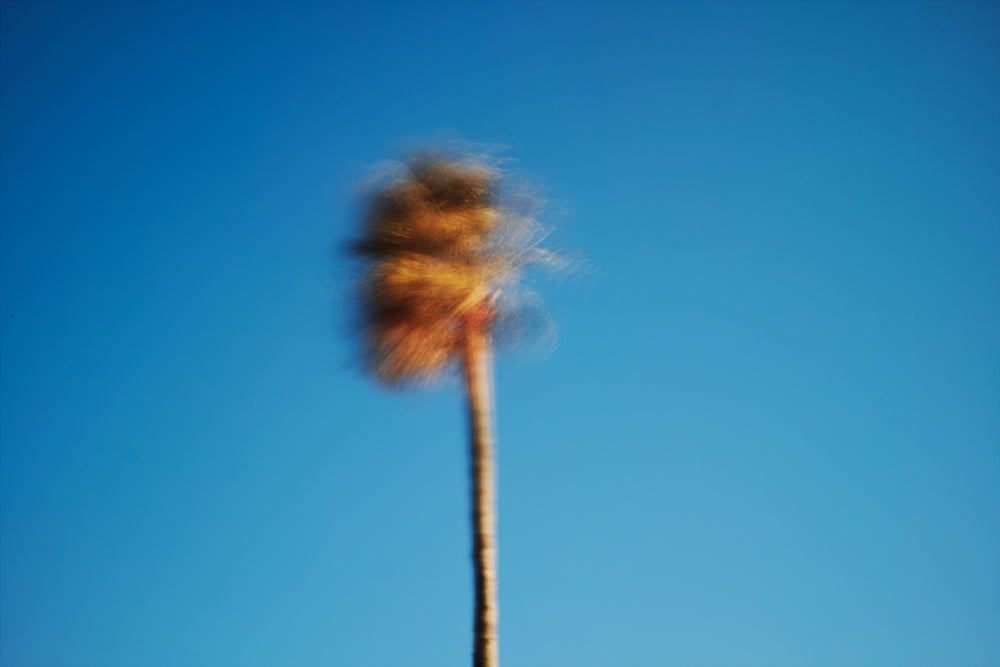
(442, 253)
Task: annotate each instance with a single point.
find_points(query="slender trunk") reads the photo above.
(479, 385)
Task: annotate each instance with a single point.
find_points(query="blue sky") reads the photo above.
(768, 436)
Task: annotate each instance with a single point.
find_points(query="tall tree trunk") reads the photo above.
(479, 384)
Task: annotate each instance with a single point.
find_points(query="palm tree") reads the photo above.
(442, 252)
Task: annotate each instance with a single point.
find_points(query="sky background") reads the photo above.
(768, 434)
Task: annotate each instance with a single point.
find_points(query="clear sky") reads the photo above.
(768, 435)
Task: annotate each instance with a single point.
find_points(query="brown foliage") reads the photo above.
(438, 248)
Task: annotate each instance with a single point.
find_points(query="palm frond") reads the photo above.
(439, 247)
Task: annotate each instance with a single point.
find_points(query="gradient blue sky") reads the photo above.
(769, 435)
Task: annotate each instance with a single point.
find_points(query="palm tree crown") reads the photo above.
(438, 250)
